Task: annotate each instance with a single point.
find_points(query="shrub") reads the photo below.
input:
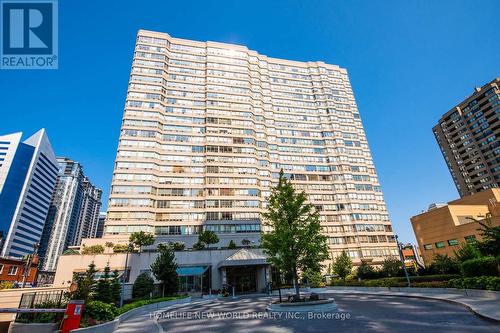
(120, 248)
(480, 266)
(232, 245)
(391, 267)
(42, 317)
(198, 245)
(6, 285)
(136, 304)
(94, 249)
(481, 282)
(143, 286)
(443, 264)
(366, 271)
(178, 246)
(100, 311)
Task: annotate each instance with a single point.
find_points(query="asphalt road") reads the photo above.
(361, 313)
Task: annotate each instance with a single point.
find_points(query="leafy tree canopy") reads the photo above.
(294, 241)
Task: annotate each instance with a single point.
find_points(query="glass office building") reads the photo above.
(28, 172)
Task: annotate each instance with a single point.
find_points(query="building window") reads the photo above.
(13, 270)
(439, 245)
(428, 246)
(452, 242)
(470, 238)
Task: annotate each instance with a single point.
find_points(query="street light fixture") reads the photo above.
(402, 260)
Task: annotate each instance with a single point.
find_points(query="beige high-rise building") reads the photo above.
(467, 136)
(208, 126)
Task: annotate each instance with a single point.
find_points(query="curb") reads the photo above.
(465, 305)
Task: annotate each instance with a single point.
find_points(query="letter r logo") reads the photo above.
(27, 27)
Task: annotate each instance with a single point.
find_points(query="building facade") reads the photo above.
(207, 127)
(72, 214)
(443, 230)
(89, 214)
(28, 172)
(468, 136)
(13, 270)
(100, 225)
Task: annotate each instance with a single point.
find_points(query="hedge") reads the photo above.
(136, 304)
(426, 281)
(481, 282)
(484, 266)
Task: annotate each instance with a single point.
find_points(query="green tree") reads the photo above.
(489, 245)
(116, 288)
(342, 266)
(141, 238)
(231, 245)
(245, 242)
(208, 237)
(109, 245)
(313, 278)
(467, 251)
(443, 264)
(85, 284)
(164, 270)
(295, 242)
(103, 288)
(391, 266)
(143, 286)
(365, 271)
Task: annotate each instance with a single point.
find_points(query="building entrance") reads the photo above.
(243, 278)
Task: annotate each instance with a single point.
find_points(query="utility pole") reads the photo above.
(27, 267)
(402, 260)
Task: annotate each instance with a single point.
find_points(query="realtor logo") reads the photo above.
(29, 34)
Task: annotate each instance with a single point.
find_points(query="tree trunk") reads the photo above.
(296, 282)
(163, 289)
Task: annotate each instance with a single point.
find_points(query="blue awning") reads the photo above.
(190, 271)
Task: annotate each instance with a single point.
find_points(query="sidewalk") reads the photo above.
(143, 322)
(486, 305)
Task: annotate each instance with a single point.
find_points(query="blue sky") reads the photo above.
(409, 62)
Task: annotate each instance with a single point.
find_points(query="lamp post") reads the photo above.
(402, 260)
(122, 294)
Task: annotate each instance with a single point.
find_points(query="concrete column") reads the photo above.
(224, 276)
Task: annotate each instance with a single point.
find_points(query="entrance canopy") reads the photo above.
(244, 257)
(191, 271)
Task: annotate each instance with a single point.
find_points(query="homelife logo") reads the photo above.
(29, 34)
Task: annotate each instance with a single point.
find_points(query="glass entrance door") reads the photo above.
(244, 278)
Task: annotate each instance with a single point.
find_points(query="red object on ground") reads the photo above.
(72, 316)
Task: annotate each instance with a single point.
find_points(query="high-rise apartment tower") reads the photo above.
(73, 213)
(468, 136)
(206, 130)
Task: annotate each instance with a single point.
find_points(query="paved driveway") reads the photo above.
(361, 313)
